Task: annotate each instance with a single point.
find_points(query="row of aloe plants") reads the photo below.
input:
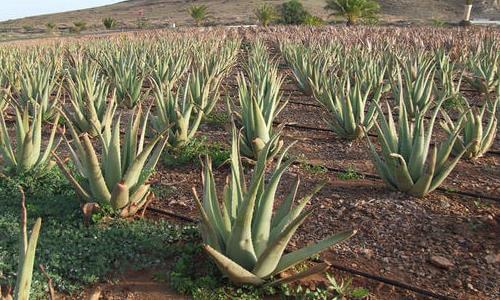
(350, 91)
(119, 178)
(112, 174)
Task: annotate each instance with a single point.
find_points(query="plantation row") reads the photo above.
(117, 104)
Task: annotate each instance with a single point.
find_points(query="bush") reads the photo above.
(265, 14)
(109, 23)
(293, 12)
(143, 23)
(28, 28)
(313, 21)
(50, 26)
(78, 27)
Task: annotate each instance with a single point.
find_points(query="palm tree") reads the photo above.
(198, 13)
(353, 10)
(266, 14)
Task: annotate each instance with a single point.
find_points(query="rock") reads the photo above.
(492, 258)
(441, 262)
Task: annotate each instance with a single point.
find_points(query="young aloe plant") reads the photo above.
(473, 131)
(402, 162)
(182, 113)
(307, 65)
(89, 109)
(168, 63)
(242, 235)
(416, 88)
(119, 179)
(36, 87)
(446, 75)
(484, 74)
(260, 104)
(27, 155)
(347, 105)
(27, 251)
(127, 72)
(370, 72)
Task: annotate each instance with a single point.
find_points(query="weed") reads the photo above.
(454, 103)
(438, 22)
(308, 167)
(218, 118)
(335, 290)
(350, 174)
(193, 150)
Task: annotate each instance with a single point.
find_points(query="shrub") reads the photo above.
(143, 23)
(265, 14)
(293, 12)
(109, 23)
(78, 27)
(28, 28)
(313, 21)
(50, 26)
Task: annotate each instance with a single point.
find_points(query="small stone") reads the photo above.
(441, 262)
(386, 260)
(367, 252)
(492, 258)
(471, 287)
(457, 283)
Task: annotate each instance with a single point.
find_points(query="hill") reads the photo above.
(161, 12)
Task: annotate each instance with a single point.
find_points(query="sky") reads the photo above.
(13, 9)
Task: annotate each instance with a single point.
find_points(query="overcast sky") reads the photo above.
(13, 9)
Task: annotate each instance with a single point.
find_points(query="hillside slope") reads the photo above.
(241, 11)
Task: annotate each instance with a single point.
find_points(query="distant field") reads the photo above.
(163, 12)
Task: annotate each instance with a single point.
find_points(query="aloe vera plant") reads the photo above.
(215, 64)
(446, 75)
(371, 72)
(416, 89)
(119, 179)
(346, 106)
(89, 108)
(182, 113)
(36, 86)
(26, 155)
(405, 151)
(483, 70)
(4, 96)
(481, 137)
(27, 249)
(127, 72)
(307, 66)
(260, 102)
(168, 64)
(242, 235)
